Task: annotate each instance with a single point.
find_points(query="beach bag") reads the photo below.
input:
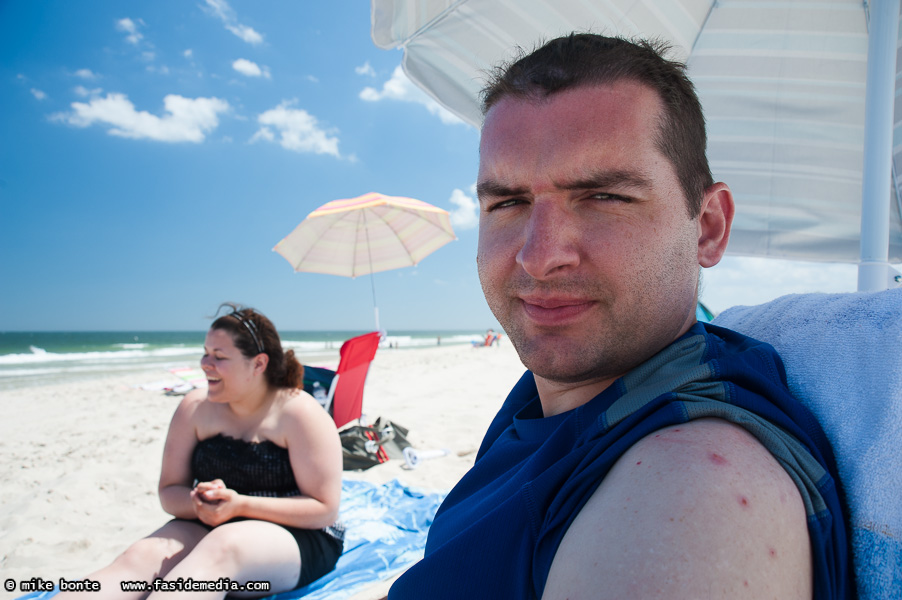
(365, 446)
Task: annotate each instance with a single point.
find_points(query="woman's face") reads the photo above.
(229, 373)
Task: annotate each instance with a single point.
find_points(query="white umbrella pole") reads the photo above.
(375, 306)
(883, 32)
(369, 256)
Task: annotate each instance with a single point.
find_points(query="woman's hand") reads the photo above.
(214, 503)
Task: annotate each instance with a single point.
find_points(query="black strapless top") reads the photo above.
(249, 468)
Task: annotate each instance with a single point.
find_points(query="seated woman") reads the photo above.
(251, 472)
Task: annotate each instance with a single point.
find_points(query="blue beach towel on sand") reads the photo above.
(386, 533)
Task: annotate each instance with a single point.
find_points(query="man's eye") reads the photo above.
(609, 197)
(504, 204)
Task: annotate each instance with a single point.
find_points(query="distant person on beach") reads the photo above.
(251, 472)
(643, 454)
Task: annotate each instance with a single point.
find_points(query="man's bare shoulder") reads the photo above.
(700, 510)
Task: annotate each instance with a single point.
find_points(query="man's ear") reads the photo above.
(714, 223)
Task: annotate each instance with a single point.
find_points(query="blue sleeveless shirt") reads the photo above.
(497, 532)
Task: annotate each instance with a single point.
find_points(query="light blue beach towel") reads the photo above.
(386, 533)
(843, 357)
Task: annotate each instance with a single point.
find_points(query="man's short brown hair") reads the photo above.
(585, 59)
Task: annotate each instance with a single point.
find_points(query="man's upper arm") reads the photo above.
(700, 510)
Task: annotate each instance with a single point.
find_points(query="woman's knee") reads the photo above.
(223, 546)
(246, 546)
(157, 553)
(146, 556)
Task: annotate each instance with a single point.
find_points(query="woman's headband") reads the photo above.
(251, 328)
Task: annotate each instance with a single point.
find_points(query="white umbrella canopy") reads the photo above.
(783, 85)
(365, 235)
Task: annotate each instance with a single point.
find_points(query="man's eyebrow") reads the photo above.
(495, 189)
(600, 180)
(607, 179)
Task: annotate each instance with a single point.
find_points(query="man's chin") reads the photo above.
(566, 376)
(558, 360)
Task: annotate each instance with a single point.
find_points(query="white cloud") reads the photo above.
(298, 131)
(221, 10)
(466, 213)
(265, 134)
(250, 69)
(312, 78)
(85, 92)
(131, 28)
(38, 94)
(85, 74)
(365, 69)
(246, 33)
(188, 53)
(399, 87)
(185, 119)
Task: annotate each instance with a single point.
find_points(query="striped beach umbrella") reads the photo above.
(367, 234)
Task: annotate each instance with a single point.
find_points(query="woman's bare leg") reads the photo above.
(239, 552)
(148, 558)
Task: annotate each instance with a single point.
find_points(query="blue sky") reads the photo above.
(153, 153)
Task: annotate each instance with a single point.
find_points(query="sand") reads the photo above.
(79, 462)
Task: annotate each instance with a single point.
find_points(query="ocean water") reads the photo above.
(39, 357)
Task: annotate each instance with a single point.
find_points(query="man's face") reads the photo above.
(587, 255)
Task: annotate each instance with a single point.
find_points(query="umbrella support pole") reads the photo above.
(369, 256)
(373, 286)
(874, 272)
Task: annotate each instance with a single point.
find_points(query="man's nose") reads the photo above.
(550, 243)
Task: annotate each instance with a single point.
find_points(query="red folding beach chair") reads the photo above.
(345, 398)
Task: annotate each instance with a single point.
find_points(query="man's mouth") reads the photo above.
(555, 311)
